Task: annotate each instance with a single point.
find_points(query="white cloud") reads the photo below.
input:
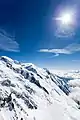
(70, 49)
(56, 55)
(7, 42)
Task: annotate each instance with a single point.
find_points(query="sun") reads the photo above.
(65, 18)
(66, 22)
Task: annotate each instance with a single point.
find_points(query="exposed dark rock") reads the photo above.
(21, 118)
(26, 75)
(22, 71)
(45, 90)
(6, 83)
(39, 76)
(30, 68)
(13, 85)
(30, 90)
(32, 74)
(26, 98)
(47, 71)
(33, 80)
(47, 77)
(9, 65)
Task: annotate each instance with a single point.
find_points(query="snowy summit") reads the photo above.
(28, 92)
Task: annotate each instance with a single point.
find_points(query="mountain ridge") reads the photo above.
(33, 90)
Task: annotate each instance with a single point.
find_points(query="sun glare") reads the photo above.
(66, 19)
(66, 22)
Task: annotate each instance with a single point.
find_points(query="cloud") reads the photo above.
(70, 49)
(7, 42)
(56, 55)
(76, 60)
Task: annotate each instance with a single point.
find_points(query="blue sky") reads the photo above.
(28, 33)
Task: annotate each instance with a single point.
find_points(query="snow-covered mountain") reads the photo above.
(28, 92)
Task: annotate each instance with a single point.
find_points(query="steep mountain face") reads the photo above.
(73, 77)
(28, 92)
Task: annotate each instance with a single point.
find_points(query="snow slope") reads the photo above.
(37, 94)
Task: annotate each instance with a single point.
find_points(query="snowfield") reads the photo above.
(28, 92)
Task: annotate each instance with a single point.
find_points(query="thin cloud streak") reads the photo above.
(70, 49)
(8, 43)
(76, 60)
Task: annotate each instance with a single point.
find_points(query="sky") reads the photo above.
(37, 32)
